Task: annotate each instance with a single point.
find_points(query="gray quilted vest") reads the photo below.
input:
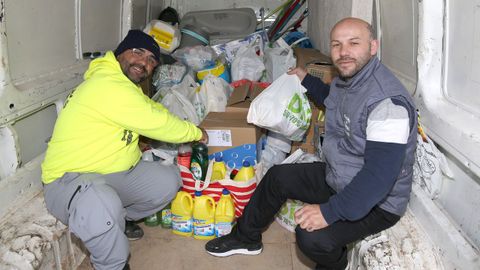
(347, 108)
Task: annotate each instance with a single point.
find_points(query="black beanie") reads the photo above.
(138, 39)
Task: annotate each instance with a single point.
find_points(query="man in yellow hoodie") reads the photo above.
(93, 175)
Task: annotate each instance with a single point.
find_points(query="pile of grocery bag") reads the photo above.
(234, 85)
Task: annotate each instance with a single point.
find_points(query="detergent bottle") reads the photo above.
(182, 209)
(219, 169)
(166, 216)
(224, 214)
(203, 217)
(245, 173)
(199, 163)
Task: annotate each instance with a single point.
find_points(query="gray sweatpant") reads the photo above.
(95, 206)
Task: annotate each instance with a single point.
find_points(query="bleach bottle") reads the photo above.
(182, 209)
(245, 173)
(203, 217)
(219, 169)
(224, 214)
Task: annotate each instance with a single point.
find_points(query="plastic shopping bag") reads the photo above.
(278, 60)
(247, 64)
(283, 108)
(430, 167)
(218, 91)
(241, 191)
(179, 105)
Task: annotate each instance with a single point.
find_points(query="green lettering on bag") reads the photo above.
(295, 104)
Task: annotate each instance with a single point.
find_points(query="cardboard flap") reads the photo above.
(239, 94)
(307, 56)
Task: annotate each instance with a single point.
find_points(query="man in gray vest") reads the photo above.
(364, 185)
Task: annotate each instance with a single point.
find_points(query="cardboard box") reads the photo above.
(232, 137)
(229, 129)
(244, 92)
(316, 63)
(314, 132)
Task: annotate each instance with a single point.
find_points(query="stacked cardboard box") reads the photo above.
(316, 63)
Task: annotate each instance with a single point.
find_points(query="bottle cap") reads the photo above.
(225, 191)
(218, 158)
(246, 163)
(198, 193)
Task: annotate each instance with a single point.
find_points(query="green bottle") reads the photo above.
(166, 216)
(199, 163)
(152, 220)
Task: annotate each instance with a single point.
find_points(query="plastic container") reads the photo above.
(245, 173)
(218, 70)
(219, 169)
(222, 24)
(203, 217)
(166, 216)
(182, 211)
(166, 35)
(199, 163)
(224, 214)
(152, 220)
(193, 36)
(184, 156)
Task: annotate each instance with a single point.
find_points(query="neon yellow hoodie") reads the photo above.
(98, 128)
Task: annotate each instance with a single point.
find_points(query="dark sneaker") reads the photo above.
(229, 245)
(132, 230)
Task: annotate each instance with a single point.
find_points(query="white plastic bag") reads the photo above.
(283, 108)
(218, 91)
(286, 216)
(247, 64)
(430, 166)
(179, 105)
(197, 57)
(200, 103)
(278, 60)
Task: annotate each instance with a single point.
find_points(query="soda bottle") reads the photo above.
(219, 169)
(184, 155)
(245, 173)
(199, 163)
(203, 216)
(166, 216)
(224, 214)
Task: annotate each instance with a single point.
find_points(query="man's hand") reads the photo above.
(300, 72)
(310, 218)
(204, 138)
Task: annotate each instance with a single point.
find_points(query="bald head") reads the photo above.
(352, 22)
(352, 45)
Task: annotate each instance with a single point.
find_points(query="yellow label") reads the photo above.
(163, 38)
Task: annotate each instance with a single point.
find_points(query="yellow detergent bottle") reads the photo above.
(219, 169)
(203, 217)
(245, 173)
(224, 214)
(182, 209)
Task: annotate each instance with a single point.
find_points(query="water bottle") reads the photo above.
(219, 169)
(184, 155)
(199, 163)
(245, 173)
